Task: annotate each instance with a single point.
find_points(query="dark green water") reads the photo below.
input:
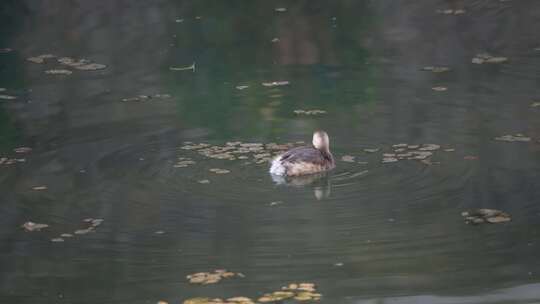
(396, 228)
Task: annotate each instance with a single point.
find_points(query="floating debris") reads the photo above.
(187, 68)
(219, 171)
(91, 67)
(31, 226)
(84, 231)
(347, 158)
(487, 58)
(39, 188)
(368, 150)
(436, 69)
(41, 58)
(242, 87)
(512, 138)
(480, 216)
(81, 64)
(403, 151)
(184, 162)
(162, 302)
(387, 160)
(275, 40)
(470, 157)
(280, 9)
(7, 97)
(5, 50)
(275, 83)
(159, 232)
(439, 89)
(57, 240)
(22, 150)
(59, 72)
(294, 291)
(309, 112)
(429, 147)
(10, 161)
(449, 150)
(66, 235)
(206, 278)
(451, 12)
(203, 181)
(276, 203)
(535, 104)
(147, 97)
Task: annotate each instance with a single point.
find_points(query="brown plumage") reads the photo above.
(305, 160)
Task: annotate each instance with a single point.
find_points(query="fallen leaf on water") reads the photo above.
(309, 112)
(478, 216)
(239, 299)
(347, 158)
(439, 89)
(83, 231)
(187, 68)
(371, 150)
(22, 150)
(275, 83)
(487, 58)
(436, 69)
(451, 12)
(512, 138)
(40, 58)
(91, 67)
(389, 160)
(198, 300)
(31, 226)
(7, 97)
(147, 97)
(429, 147)
(219, 171)
(59, 72)
(206, 278)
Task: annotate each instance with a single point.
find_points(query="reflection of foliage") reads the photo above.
(233, 48)
(8, 133)
(10, 17)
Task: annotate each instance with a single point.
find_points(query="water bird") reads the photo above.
(305, 160)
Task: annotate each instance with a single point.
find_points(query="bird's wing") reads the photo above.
(303, 154)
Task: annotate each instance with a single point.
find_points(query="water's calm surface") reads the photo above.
(396, 228)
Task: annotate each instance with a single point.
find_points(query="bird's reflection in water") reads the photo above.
(319, 182)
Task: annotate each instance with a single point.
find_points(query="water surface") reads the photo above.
(395, 228)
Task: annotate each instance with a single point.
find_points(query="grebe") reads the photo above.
(305, 160)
